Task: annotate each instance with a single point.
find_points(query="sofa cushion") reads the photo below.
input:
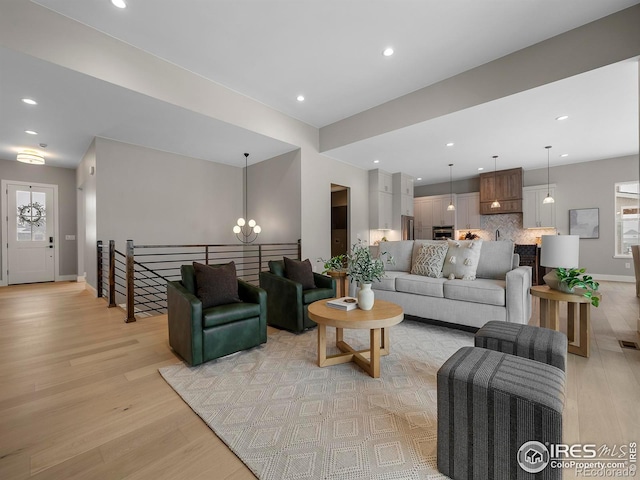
(496, 260)
(430, 260)
(216, 285)
(300, 272)
(489, 292)
(222, 314)
(388, 282)
(315, 294)
(462, 259)
(420, 285)
(400, 251)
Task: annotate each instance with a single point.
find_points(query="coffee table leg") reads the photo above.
(322, 344)
(374, 358)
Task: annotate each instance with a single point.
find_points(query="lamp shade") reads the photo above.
(560, 251)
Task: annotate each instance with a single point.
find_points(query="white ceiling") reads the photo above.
(329, 51)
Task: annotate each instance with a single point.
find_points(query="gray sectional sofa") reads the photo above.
(499, 292)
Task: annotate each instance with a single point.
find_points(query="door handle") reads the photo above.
(50, 246)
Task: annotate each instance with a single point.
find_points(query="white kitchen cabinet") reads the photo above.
(536, 214)
(442, 216)
(380, 200)
(468, 211)
(380, 180)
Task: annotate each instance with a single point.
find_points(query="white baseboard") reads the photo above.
(67, 278)
(81, 279)
(614, 278)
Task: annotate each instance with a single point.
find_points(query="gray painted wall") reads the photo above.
(65, 179)
(87, 235)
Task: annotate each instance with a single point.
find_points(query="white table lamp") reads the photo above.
(559, 251)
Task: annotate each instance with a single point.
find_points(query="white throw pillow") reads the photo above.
(430, 260)
(462, 259)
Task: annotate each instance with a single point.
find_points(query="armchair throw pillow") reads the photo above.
(299, 271)
(216, 285)
(430, 260)
(462, 259)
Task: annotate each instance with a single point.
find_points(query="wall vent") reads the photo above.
(627, 344)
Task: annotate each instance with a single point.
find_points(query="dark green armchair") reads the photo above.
(287, 302)
(199, 336)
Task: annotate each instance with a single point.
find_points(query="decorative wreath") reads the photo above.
(32, 214)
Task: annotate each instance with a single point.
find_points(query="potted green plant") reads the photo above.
(572, 278)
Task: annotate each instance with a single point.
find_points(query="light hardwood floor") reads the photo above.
(81, 397)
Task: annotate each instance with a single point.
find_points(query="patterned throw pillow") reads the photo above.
(462, 259)
(430, 260)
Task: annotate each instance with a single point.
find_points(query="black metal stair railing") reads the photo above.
(139, 277)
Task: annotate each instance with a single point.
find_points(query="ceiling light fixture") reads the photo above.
(419, 178)
(548, 198)
(450, 144)
(30, 156)
(480, 169)
(376, 161)
(387, 52)
(31, 132)
(300, 98)
(451, 206)
(119, 3)
(246, 230)
(29, 101)
(564, 155)
(562, 117)
(495, 203)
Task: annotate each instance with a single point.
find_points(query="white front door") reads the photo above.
(31, 249)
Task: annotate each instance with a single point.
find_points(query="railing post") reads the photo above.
(112, 273)
(130, 283)
(99, 268)
(299, 249)
(259, 259)
(206, 254)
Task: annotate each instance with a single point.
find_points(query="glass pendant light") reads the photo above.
(451, 206)
(495, 203)
(548, 198)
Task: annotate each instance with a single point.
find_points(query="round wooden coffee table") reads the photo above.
(377, 320)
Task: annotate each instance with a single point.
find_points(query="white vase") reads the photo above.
(365, 297)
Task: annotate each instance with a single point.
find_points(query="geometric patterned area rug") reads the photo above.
(286, 418)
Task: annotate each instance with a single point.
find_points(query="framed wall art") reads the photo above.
(584, 222)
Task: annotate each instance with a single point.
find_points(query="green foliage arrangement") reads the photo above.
(575, 278)
(361, 266)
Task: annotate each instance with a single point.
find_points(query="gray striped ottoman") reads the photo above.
(541, 344)
(490, 405)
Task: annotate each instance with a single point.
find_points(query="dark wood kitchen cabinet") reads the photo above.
(506, 187)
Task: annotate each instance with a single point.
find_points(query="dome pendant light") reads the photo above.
(451, 206)
(246, 232)
(548, 198)
(495, 203)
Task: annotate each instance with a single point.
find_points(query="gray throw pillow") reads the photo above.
(300, 272)
(216, 285)
(429, 261)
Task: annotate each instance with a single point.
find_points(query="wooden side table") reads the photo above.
(342, 282)
(578, 309)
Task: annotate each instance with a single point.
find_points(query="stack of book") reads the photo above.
(344, 303)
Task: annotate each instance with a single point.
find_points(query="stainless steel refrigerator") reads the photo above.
(407, 227)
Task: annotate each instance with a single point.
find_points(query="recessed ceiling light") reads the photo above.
(387, 52)
(450, 144)
(419, 178)
(562, 117)
(564, 155)
(480, 169)
(30, 132)
(300, 98)
(29, 101)
(119, 3)
(376, 161)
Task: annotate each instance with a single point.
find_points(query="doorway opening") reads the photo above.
(340, 213)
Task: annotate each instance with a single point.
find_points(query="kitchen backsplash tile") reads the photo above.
(510, 227)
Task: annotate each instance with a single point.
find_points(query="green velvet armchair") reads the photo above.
(287, 302)
(199, 335)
